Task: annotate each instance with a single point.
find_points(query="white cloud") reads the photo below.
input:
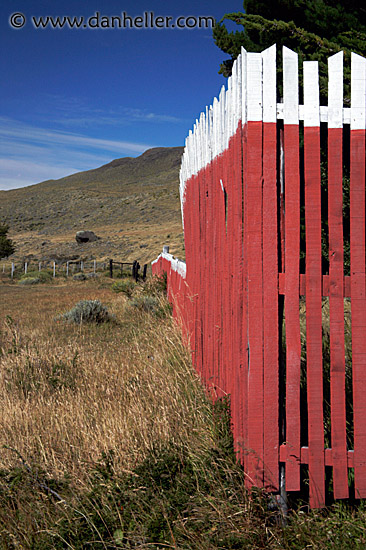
(10, 129)
(31, 154)
(77, 112)
(14, 174)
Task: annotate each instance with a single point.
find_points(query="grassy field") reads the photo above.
(132, 205)
(107, 439)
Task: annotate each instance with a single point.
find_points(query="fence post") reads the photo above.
(3, 268)
(81, 266)
(67, 269)
(39, 266)
(54, 269)
(12, 270)
(111, 269)
(25, 267)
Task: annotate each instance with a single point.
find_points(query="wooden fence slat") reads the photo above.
(219, 225)
(202, 248)
(194, 273)
(235, 295)
(254, 261)
(314, 352)
(208, 246)
(211, 248)
(357, 245)
(228, 183)
(228, 235)
(229, 293)
(242, 380)
(193, 258)
(336, 274)
(205, 236)
(214, 245)
(270, 273)
(292, 255)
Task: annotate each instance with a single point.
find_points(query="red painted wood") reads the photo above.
(195, 274)
(270, 309)
(243, 376)
(336, 314)
(255, 303)
(328, 453)
(218, 238)
(325, 286)
(207, 271)
(209, 244)
(358, 306)
(220, 220)
(314, 354)
(229, 182)
(216, 279)
(229, 301)
(213, 282)
(282, 201)
(189, 207)
(190, 257)
(223, 260)
(293, 344)
(202, 265)
(235, 229)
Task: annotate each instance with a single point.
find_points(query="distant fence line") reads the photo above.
(70, 267)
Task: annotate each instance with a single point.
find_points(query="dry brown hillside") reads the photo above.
(132, 204)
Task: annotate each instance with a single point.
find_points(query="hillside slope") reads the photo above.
(132, 204)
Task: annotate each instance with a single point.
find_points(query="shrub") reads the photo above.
(29, 281)
(79, 277)
(92, 275)
(156, 285)
(151, 304)
(41, 276)
(87, 311)
(125, 286)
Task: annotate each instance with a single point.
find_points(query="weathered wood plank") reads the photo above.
(292, 265)
(254, 203)
(336, 275)
(357, 245)
(314, 354)
(270, 274)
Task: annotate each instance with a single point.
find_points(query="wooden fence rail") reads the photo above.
(87, 266)
(251, 166)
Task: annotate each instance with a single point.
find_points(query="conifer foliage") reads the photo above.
(6, 245)
(315, 29)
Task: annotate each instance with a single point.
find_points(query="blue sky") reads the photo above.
(74, 99)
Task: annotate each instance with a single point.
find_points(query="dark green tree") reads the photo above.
(6, 245)
(315, 29)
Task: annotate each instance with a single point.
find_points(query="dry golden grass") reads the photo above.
(69, 393)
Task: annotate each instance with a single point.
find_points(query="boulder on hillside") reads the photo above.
(86, 237)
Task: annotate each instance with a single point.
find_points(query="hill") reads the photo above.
(132, 204)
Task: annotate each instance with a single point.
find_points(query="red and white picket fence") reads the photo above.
(241, 194)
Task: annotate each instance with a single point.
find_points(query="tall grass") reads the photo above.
(107, 438)
(69, 394)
